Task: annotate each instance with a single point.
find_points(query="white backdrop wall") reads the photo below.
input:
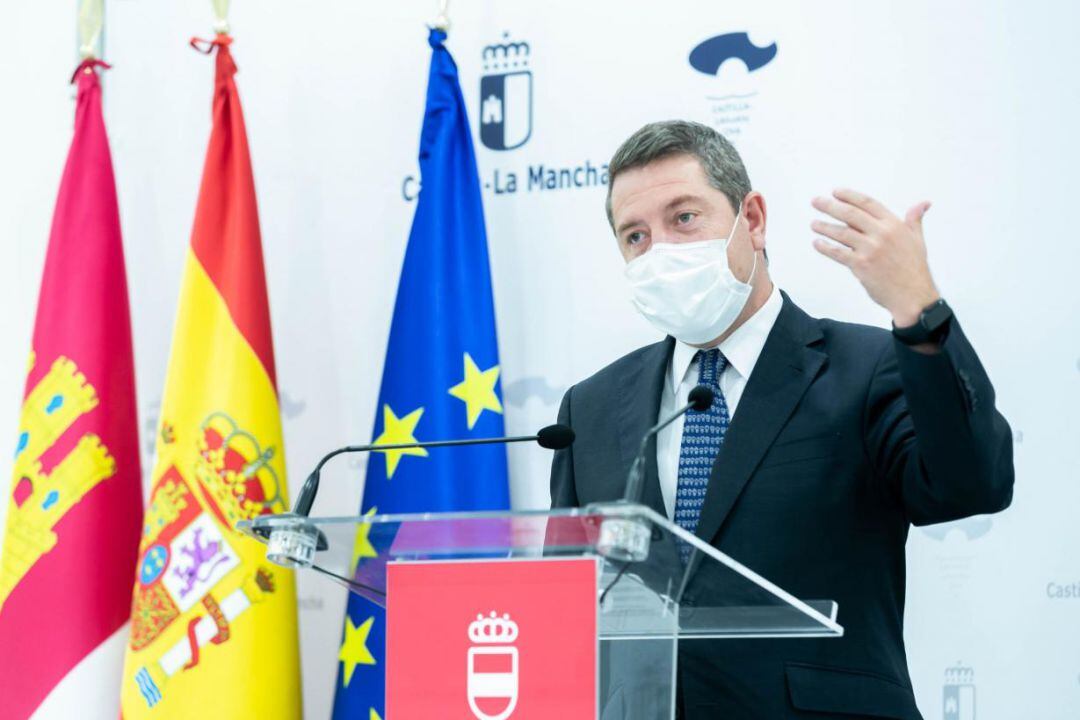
(972, 105)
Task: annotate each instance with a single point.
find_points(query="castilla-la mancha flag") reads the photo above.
(75, 502)
(213, 624)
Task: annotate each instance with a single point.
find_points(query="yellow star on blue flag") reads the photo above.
(362, 547)
(397, 431)
(477, 390)
(354, 650)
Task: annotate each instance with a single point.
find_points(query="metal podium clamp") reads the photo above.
(293, 541)
(625, 536)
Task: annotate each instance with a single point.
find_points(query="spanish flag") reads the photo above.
(213, 625)
(75, 506)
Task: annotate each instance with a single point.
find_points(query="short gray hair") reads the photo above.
(718, 157)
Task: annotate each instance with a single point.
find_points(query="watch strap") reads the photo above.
(931, 327)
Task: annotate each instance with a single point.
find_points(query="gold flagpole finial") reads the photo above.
(442, 20)
(221, 16)
(91, 18)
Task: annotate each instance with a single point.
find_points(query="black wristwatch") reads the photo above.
(931, 327)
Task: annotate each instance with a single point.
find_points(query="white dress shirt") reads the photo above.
(741, 349)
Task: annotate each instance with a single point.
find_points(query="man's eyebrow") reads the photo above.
(684, 199)
(674, 202)
(626, 225)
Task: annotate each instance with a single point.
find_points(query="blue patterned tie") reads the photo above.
(703, 434)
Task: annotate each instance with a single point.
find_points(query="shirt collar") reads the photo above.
(742, 348)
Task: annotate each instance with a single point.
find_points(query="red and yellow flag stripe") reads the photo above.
(214, 625)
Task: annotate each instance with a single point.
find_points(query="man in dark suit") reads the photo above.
(825, 441)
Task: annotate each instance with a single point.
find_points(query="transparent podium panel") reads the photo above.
(656, 585)
(655, 580)
(638, 649)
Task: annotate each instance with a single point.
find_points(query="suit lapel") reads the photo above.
(639, 405)
(783, 372)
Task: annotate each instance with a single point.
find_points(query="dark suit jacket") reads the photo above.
(843, 438)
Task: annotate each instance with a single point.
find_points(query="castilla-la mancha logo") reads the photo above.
(731, 94)
(493, 667)
(506, 95)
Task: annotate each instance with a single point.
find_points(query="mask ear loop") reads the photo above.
(753, 268)
(731, 236)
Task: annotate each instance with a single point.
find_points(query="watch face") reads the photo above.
(935, 315)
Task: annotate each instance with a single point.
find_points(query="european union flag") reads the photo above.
(441, 378)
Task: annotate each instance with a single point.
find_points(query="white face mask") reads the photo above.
(687, 290)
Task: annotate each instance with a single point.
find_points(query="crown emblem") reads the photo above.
(493, 629)
(236, 471)
(506, 55)
(959, 674)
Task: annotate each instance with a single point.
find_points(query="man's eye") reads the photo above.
(634, 238)
(685, 217)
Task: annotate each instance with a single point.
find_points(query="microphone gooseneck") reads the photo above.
(700, 399)
(552, 437)
(627, 538)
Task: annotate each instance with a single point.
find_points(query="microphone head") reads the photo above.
(555, 437)
(701, 398)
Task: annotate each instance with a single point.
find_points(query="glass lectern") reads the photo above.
(656, 585)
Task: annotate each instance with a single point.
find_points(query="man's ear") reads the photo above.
(756, 215)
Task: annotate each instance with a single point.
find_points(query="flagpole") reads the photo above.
(91, 22)
(442, 20)
(221, 16)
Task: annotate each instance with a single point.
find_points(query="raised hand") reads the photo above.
(885, 253)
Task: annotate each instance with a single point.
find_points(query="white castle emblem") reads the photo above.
(506, 95)
(493, 667)
(958, 701)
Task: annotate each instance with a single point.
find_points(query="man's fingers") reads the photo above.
(839, 253)
(846, 213)
(914, 216)
(862, 201)
(840, 233)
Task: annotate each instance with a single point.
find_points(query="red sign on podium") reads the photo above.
(491, 640)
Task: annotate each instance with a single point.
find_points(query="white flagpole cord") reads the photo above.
(221, 16)
(442, 21)
(91, 18)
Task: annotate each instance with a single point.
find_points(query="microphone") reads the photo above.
(700, 399)
(626, 538)
(552, 437)
(555, 437)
